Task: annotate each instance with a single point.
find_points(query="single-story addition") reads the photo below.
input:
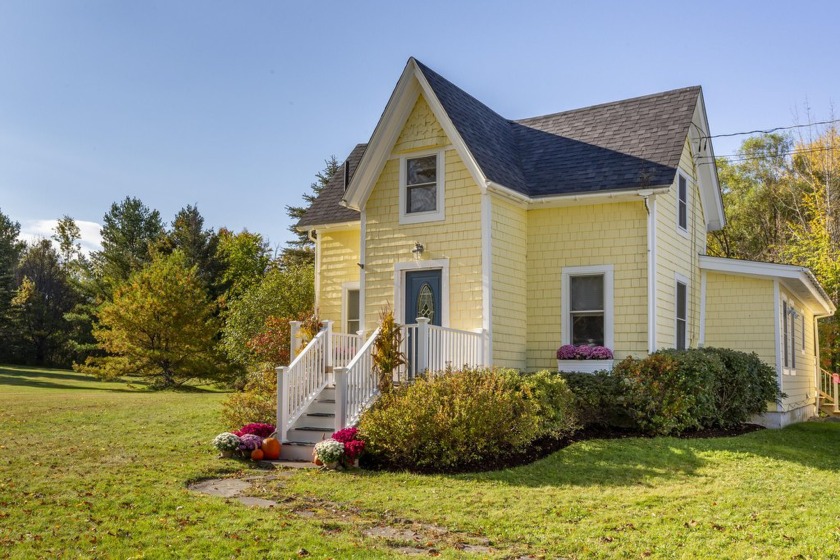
(499, 240)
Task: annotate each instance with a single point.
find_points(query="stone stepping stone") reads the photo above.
(222, 487)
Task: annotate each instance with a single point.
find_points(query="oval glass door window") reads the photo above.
(426, 302)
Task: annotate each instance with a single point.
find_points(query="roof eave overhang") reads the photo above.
(335, 226)
(797, 278)
(576, 199)
(704, 157)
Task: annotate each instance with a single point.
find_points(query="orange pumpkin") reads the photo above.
(257, 455)
(271, 449)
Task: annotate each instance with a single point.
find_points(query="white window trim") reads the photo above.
(689, 189)
(790, 344)
(679, 278)
(802, 326)
(565, 286)
(399, 281)
(346, 287)
(421, 217)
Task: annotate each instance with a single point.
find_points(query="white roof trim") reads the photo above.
(411, 85)
(707, 176)
(790, 274)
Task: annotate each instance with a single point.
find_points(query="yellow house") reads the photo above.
(582, 227)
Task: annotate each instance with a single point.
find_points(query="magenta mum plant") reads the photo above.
(256, 428)
(584, 352)
(353, 446)
(249, 442)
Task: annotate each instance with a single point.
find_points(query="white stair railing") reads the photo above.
(432, 348)
(355, 385)
(345, 348)
(300, 382)
(830, 389)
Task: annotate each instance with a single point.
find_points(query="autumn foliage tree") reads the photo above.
(160, 326)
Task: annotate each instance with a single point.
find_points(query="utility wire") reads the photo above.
(768, 131)
(747, 157)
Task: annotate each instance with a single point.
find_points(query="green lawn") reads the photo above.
(90, 469)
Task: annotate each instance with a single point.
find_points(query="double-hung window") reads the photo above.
(421, 188)
(351, 323)
(789, 315)
(682, 203)
(681, 335)
(587, 304)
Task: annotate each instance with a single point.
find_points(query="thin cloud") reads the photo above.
(34, 230)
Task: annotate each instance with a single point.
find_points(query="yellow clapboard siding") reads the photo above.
(586, 236)
(339, 253)
(678, 253)
(510, 290)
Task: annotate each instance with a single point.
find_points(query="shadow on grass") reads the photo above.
(12, 380)
(23, 376)
(624, 462)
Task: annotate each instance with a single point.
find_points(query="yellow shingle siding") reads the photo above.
(339, 253)
(510, 289)
(677, 253)
(421, 131)
(739, 314)
(586, 236)
(799, 383)
(458, 238)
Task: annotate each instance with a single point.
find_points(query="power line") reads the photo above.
(771, 130)
(737, 158)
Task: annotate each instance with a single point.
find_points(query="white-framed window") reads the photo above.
(681, 313)
(682, 203)
(421, 187)
(587, 302)
(350, 312)
(789, 315)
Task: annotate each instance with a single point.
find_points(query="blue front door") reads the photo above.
(422, 296)
(422, 299)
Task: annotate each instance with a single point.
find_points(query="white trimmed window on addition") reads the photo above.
(588, 306)
(421, 188)
(352, 322)
(681, 335)
(682, 202)
(789, 315)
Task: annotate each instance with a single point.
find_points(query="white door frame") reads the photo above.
(401, 268)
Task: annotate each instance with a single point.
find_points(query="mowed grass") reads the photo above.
(100, 470)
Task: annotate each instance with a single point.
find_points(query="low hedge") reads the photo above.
(672, 391)
(460, 420)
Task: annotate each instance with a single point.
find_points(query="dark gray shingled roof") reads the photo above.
(326, 208)
(623, 145)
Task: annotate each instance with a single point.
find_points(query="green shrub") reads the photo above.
(461, 419)
(670, 391)
(256, 403)
(744, 389)
(598, 399)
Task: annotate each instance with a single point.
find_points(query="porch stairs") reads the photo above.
(829, 393)
(331, 381)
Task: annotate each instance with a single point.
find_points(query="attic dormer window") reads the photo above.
(421, 188)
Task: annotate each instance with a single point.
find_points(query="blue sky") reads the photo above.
(235, 105)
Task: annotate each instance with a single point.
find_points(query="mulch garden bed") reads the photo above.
(544, 447)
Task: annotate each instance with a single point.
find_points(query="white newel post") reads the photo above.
(282, 402)
(328, 345)
(340, 397)
(294, 328)
(480, 351)
(422, 359)
(836, 387)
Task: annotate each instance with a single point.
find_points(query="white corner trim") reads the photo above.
(487, 274)
(682, 279)
(609, 309)
(401, 268)
(702, 341)
(317, 270)
(778, 335)
(362, 252)
(652, 274)
(438, 215)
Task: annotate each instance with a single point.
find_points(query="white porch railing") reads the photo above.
(356, 385)
(829, 390)
(345, 348)
(300, 382)
(432, 348)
